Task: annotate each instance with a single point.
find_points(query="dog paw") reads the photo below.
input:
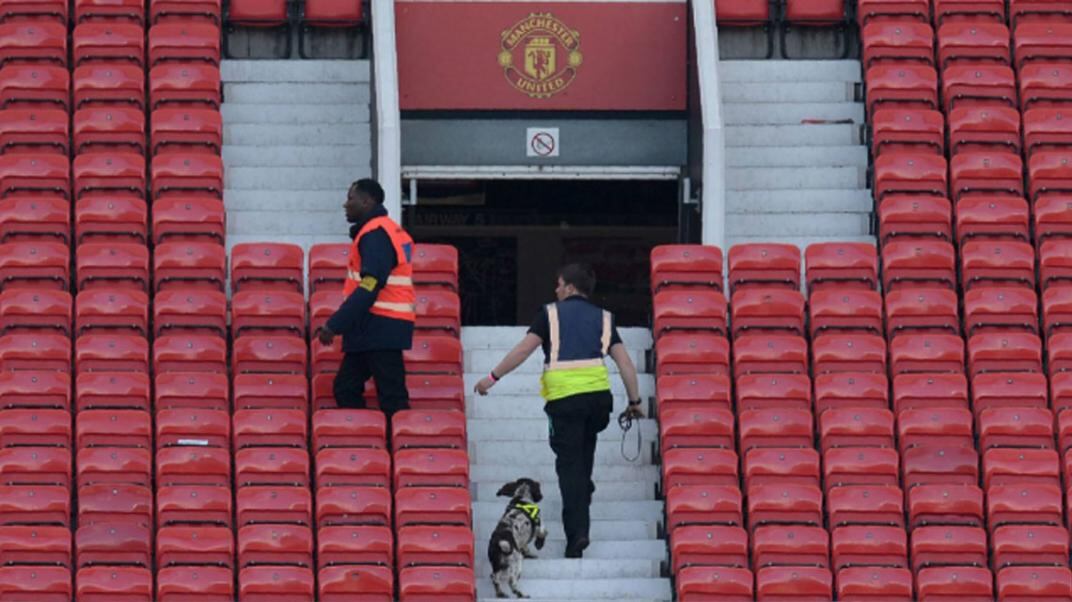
(530, 555)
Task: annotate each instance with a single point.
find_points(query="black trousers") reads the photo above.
(576, 421)
(389, 373)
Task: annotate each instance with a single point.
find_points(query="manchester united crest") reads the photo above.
(540, 55)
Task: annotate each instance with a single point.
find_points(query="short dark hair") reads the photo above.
(581, 276)
(369, 187)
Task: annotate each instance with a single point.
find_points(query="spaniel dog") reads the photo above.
(519, 526)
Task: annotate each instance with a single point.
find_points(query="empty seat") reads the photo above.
(915, 215)
(700, 310)
(434, 545)
(192, 427)
(856, 427)
(194, 217)
(269, 354)
(35, 351)
(773, 428)
(433, 505)
(174, 584)
(781, 466)
(897, 42)
(1044, 129)
(28, 310)
(992, 216)
(193, 505)
(184, 84)
(1020, 466)
(184, 11)
(865, 505)
(189, 353)
(115, 504)
(1042, 42)
(34, 130)
(270, 428)
(903, 85)
(272, 466)
(794, 583)
(764, 265)
(1015, 427)
(946, 504)
(112, 265)
(685, 466)
(849, 353)
(31, 218)
(868, 546)
(696, 427)
(112, 219)
(433, 354)
(35, 545)
(274, 505)
(35, 389)
(896, 129)
(910, 173)
(987, 172)
(431, 467)
(1000, 309)
(860, 466)
(926, 353)
(108, 128)
(688, 353)
(343, 582)
(727, 584)
(840, 264)
(353, 505)
(36, 466)
(1024, 583)
(934, 464)
(271, 583)
(120, 173)
(108, 43)
(707, 545)
(438, 310)
(986, 128)
(874, 583)
(948, 546)
(366, 545)
(117, 311)
(428, 584)
(676, 266)
(327, 266)
(1004, 352)
(257, 14)
(1023, 504)
(35, 86)
(763, 309)
(186, 129)
(101, 428)
(1008, 390)
(35, 427)
(968, 584)
(789, 503)
(703, 505)
(436, 266)
(974, 41)
(118, 543)
(111, 353)
(934, 426)
(764, 354)
(271, 391)
(848, 390)
(969, 11)
(922, 309)
(917, 262)
(184, 42)
(192, 312)
(194, 466)
(267, 312)
(275, 545)
(19, 10)
(193, 173)
(176, 546)
(428, 428)
(753, 391)
(109, 84)
(267, 266)
(110, 465)
(35, 174)
(185, 265)
(1044, 84)
(37, 583)
(1028, 544)
(1055, 263)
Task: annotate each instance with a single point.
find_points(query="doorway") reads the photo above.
(513, 235)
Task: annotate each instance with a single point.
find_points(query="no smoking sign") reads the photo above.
(542, 142)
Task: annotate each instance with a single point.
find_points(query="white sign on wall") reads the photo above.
(541, 142)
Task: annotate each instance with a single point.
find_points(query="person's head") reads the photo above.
(364, 195)
(575, 279)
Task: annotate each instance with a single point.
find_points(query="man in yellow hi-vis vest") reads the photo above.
(575, 335)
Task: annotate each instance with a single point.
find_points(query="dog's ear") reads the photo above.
(508, 489)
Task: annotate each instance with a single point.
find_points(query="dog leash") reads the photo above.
(625, 422)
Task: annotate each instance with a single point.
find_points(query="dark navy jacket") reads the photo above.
(361, 330)
(580, 330)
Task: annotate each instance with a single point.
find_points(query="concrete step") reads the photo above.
(518, 453)
(252, 134)
(535, 429)
(528, 386)
(600, 530)
(791, 178)
(330, 114)
(771, 92)
(307, 93)
(505, 337)
(504, 407)
(482, 473)
(285, 200)
(355, 157)
(612, 510)
(799, 224)
(798, 201)
(788, 71)
(295, 71)
(633, 490)
(272, 223)
(587, 589)
(269, 178)
(483, 361)
(569, 568)
(791, 113)
(839, 134)
(798, 156)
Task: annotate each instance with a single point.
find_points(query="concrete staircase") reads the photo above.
(508, 440)
(295, 135)
(796, 160)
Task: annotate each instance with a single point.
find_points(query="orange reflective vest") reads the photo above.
(397, 299)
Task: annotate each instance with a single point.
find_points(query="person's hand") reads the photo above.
(484, 386)
(326, 336)
(634, 411)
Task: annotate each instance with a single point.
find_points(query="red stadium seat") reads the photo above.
(438, 310)
(1044, 84)
(109, 84)
(193, 504)
(193, 427)
(35, 86)
(34, 130)
(111, 219)
(948, 546)
(977, 85)
(901, 85)
(275, 545)
(269, 354)
(856, 427)
(1020, 466)
(188, 218)
(939, 465)
(708, 545)
(1053, 217)
(1042, 42)
(792, 546)
(428, 428)
(851, 390)
(1015, 427)
(101, 428)
(267, 313)
(992, 217)
(759, 309)
(186, 129)
(184, 84)
(1004, 352)
(267, 266)
(111, 353)
(274, 505)
(921, 309)
(435, 266)
(869, 545)
(1064, 428)
(36, 174)
(184, 11)
(708, 467)
(839, 265)
(332, 13)
(940, 504)
(36, 466)
(969, 11)
(910, 173)
(113, 544)
(271, 391)
(433, 506)
(355, 545)
(676, 266)
(189, 353)
(112, 265)
(181, 466)
(971, 42)
(945, 584)
(35, 505)
(794, 583)
(22, 10)
(771, 428)
(324, 303)
(906, 9)
(1044, 129)
(328, 263)
(988, 172)
(177, 546)
(349, 428)
(348, 505)
(688, 353)
(698, 583)
(184, 42)
(703, 505)
(118, 311)
(764, 265)
(35, 546)
(753, 391)
(915, 215)
(436, 584)
(1034, 583)
(1009, 390)
(1055, 263)
(918, 262)
(270, 428)
(896, 129)
(209, 584)
(434, 545)
(1000, 309)
(112, 465)
(28, 310)
(945, 426)
(865, 505)
(431, 468)
(833, 353)
(37, 583)
(1019, 504)
(1028, 544)
(30, 218)
(111, 173)
(355, 467)
(766, 354)
(187, 265)
(108, 43)
(780, 466)
(196, 173)
(860, 466)
(192, 312)
(862, 584)
(696, 427)
(33, 389)
(36, 428)
(986, 128)
(788, 503)
(271, 583)
(1048, 174)
(341, 583)
(897, 42)
(257, 14)
(35, 351)
(926, 353)
(695, 309)
(434, 354)
(108, 128)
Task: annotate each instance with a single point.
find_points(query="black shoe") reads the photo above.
(577, 549)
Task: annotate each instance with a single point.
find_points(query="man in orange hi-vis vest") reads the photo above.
(376, 318)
